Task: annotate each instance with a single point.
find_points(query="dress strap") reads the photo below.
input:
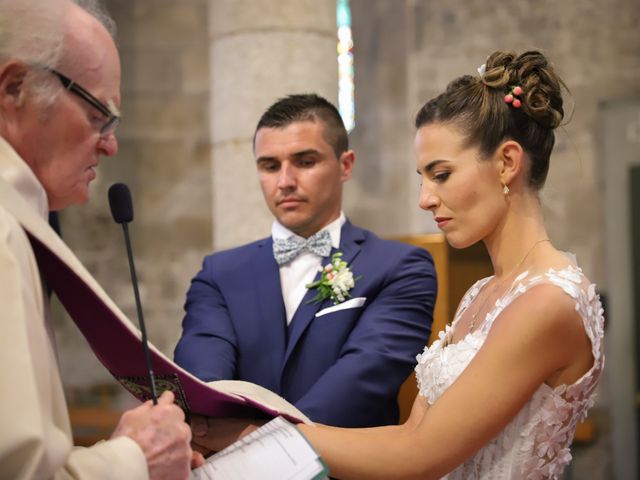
(469, 297)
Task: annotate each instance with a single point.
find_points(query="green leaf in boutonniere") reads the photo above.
(335, 282)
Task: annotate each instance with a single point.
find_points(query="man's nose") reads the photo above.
(286, 176)
(108, 145)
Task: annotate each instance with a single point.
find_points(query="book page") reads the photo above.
(259, 394)
(276, 451)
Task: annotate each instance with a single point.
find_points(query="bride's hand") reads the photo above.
(213, 434)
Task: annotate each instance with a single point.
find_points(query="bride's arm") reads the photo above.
(537, 337)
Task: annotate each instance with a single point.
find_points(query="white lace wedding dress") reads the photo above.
(535, 444)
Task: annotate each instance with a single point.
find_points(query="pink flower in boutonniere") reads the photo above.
(335, 282)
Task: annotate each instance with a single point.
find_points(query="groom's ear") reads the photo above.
(347, 160)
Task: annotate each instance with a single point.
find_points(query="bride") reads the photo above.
(501, 390)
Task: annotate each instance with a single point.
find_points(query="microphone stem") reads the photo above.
(145, 344)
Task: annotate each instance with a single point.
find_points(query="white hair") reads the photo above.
(97, 10)
(33, 31)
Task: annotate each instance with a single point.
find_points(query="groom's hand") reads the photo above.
(199, 429)
(211, 435)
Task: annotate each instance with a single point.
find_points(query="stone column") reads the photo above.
(260, 50)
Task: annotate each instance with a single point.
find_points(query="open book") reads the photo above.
(275, 451)
(118, 345)
(117, 342)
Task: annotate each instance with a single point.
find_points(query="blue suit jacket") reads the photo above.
(343, 368)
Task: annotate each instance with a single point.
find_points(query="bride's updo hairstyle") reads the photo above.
(488, 109)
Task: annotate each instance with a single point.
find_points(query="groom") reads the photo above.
(249, 313)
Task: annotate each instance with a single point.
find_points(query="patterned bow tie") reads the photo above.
(285, 250)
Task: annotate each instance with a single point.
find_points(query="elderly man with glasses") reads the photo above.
(59, 97)
(110, 119)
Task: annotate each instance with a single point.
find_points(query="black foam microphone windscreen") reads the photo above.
(120, 203)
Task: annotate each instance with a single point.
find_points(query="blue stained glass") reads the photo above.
(343, 13)
(346, 87)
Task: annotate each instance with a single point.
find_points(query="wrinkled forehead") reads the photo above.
(89, 56)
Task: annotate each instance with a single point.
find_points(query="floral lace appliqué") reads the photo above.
(535, 444)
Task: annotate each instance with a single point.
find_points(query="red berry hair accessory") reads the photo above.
(511, 97)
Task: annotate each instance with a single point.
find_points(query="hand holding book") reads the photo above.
(210, 435)
(275, 450)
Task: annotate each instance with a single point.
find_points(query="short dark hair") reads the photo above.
(476, 105)
(307, 107)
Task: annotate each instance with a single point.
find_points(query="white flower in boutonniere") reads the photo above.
(335, 282)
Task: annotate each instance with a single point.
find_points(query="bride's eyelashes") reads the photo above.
(441, 177)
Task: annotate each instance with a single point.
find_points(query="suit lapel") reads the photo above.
(350, 239)
(266, 279)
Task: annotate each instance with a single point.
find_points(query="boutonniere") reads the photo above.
(335, 282)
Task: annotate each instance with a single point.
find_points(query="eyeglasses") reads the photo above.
(110, 123)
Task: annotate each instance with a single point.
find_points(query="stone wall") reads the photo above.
(185, 155)
(406, 52)
(383, 194)
(164, 157)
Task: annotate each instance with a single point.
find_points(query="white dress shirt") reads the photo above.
(302, 270)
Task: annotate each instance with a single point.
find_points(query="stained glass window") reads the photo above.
(346, 89)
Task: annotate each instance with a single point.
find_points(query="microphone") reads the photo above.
(122, 212)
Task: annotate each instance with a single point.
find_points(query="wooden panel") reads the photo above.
(466, 266)
(93, 412)
(457, 270)
(438, 247)
(92, 424)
